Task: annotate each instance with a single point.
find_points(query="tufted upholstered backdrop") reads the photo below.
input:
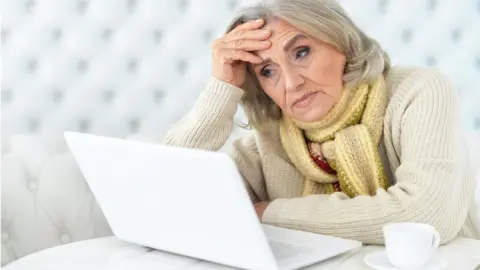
(131, 68)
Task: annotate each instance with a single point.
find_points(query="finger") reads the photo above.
(247, 45)
(250, 25)
(261, 34)
(232, 55)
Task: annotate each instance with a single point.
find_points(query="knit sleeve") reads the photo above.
(208, 126)
(209, 123)
(247, 158)
(432, 181)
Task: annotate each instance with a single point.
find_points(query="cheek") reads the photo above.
(277, 95)
(328, 75)
(321, 70)
(327, 64)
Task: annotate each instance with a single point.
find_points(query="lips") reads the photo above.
(305, 100)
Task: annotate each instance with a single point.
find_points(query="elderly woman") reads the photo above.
(342, 143)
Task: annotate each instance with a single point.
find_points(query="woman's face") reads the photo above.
(301, 74)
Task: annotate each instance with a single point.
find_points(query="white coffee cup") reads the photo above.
(410, 245)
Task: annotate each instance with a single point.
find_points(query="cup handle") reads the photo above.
(436, 240)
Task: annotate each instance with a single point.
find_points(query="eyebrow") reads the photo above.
(286, 47)
(292, 41)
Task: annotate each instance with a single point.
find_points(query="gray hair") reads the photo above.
(325, 20)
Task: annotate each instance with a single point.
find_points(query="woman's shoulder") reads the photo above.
(406, 83)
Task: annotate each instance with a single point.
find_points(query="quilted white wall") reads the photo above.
(131, 68)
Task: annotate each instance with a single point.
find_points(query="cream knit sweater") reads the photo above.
(422, 150)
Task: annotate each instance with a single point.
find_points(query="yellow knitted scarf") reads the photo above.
(347, 138)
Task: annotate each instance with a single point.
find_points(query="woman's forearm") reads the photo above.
(209, 123)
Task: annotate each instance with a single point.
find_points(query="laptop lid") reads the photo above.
(185, 201)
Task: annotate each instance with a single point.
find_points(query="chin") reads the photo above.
(315, 114)
(310, 118)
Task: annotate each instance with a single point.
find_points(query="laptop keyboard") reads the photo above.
(282, 251)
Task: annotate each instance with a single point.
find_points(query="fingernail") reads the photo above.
(265, 32)
(258, 20)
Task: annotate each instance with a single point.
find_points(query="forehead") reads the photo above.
(282, 32)
(278, 26)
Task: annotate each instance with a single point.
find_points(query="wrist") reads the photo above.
(224, 91)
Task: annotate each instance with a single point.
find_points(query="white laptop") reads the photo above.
(190, 202)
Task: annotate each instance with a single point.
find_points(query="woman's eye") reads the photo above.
(265, 72)
(302, 53)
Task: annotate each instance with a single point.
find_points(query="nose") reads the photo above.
(293, 79)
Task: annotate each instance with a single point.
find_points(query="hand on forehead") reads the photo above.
(283, 36)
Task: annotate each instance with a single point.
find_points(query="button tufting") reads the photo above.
(32, 185)
(107, 34)
(157, 35)
(158, 95)
(82, 66)
(5, 34)
(183, 5)
(182, 66)
(382, 6)
(406, 35)
(132, 65)
(131, 4)
(108, 96)
(65, 238)
(82, 6)
(476, 123)
(232, 4)
(5, 237)
(33, 125)
(57, 34)
(57, 96)
(431, 61)
(456, 34)
(32, 65)
(6, 96)
(134, 124)
(432, 4)
(84, 125)
(207, 35)
(30, 6)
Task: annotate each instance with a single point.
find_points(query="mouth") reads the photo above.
(305, 100)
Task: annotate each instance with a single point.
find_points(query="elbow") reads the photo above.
(448, 221)
(448, 228)
(444, 204)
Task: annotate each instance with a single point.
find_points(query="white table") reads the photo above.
(111, 253)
